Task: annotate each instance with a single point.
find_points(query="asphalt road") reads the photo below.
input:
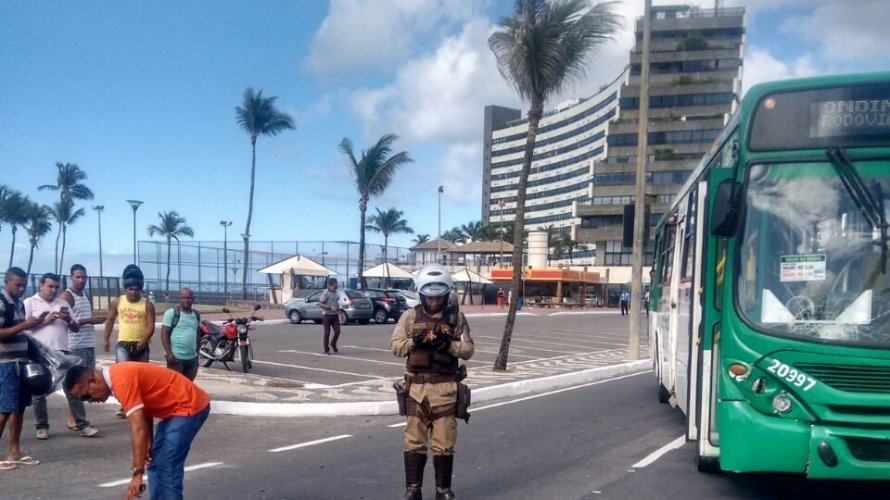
(577, 443)
(294, 353)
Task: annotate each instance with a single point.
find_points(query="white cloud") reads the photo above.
(761, 66)
(844, 31)
(360, 35)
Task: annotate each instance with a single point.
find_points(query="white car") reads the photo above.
(410, 297)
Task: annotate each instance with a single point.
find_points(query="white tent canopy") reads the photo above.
(387, 270)
(467, 276)
(299, 266)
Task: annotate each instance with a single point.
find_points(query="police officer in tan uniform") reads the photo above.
(432, 335)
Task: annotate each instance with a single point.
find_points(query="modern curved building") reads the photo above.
(583, 169)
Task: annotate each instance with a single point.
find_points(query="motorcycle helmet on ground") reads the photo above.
(36, 379)
(133, 276)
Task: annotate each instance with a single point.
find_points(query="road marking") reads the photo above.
(515, 341)
(483, 351)
(187, 469)
(655, 455)
(341, 357)
(312, 368)
(310, 443)
(534, 396)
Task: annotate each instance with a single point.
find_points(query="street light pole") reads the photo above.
(135, 204)
(245, 237)
(225, 224)
(99, 209)
(439, 238)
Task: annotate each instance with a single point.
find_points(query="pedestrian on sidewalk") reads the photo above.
(81, 338)
(502, 299)
(14, 398)
(330, 304)
(181, 335)
(148, 391)
(433, 336)
(136, 317)
(53, 332)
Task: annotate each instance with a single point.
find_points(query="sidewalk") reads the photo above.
(236, 393)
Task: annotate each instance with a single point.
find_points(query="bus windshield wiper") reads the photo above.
(872, 209)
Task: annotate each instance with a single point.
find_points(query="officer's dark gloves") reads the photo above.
(441, 342)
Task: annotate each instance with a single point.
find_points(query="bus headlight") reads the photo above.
(782, 403)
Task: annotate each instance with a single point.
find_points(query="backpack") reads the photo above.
(176, 313)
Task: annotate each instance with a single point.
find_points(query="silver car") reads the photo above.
(354, 307)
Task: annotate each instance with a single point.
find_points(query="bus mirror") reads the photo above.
(725, 213)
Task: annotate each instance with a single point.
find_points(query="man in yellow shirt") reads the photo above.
(136, 317)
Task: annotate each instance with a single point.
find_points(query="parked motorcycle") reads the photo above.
(220, 343)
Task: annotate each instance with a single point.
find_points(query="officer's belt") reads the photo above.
(429, 379)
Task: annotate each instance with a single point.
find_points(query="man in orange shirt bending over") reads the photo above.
(149, 391)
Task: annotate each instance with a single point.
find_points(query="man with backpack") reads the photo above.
(181, 335)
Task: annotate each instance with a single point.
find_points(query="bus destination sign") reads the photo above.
(849, 117)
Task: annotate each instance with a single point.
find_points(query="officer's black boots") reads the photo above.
(443, 465)
(414, 464)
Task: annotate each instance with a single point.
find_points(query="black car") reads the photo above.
(387, 303)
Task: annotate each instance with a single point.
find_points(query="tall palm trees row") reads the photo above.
(19, 211)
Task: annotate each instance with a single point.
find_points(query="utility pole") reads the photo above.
(636, 260)
(99, 209)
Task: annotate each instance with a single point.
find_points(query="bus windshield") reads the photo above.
(813, 256)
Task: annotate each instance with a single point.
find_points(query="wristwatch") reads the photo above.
(137, 471)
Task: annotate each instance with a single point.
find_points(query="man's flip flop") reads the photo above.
(4, 465)
(26, 460)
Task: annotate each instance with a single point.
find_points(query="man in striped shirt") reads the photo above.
(81, 340)
(13, 352)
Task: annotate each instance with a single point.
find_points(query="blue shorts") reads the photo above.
(12, 398)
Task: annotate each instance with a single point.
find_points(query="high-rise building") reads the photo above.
(583, 170)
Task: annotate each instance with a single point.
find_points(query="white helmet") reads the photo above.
(433, 281)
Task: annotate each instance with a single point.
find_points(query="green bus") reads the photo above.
(770, 298)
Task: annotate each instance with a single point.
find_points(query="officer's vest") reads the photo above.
(425, 359)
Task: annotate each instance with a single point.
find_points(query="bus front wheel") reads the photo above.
(663, 395)
(708, 465)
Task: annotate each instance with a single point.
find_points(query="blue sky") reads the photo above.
(141, 96)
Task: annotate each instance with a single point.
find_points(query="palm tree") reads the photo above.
(38, 226)
(69, 184)
(15, 213)
(257, 116)
(172, 226)
(420, 238)
(4, 193)
(571, 245)
(537, 49)
(473, 230)
(372, 173)
(65, 215)
(454, 235)
(387, 223)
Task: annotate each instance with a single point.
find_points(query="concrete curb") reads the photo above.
(380, 408)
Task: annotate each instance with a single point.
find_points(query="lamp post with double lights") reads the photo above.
(225, 224)
(134, 204)
(99, 209)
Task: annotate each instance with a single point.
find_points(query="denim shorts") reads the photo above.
(12, 397)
